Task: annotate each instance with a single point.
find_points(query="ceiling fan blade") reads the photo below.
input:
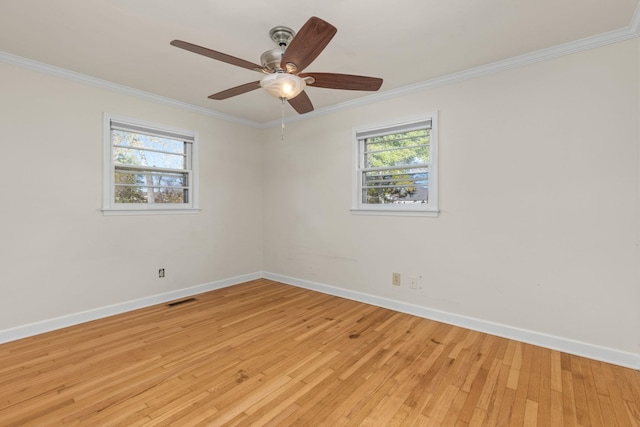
(301, 103)
(238, 90)
(343, 81)
(216, 55)
(312, 38)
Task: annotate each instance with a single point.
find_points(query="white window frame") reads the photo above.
(396, 126)
(188, 136)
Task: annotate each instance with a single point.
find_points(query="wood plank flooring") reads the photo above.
(264, 353)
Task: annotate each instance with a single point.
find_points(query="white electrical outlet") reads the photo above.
(413, 283)
(395, 279)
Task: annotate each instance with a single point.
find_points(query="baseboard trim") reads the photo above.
(578, 348)
(36, 328)
(604, 354)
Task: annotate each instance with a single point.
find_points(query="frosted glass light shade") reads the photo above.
(283, 85)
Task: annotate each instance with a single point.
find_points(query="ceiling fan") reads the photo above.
(283, 66)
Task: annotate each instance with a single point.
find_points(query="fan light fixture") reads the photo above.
(283, 85)
(282, 66)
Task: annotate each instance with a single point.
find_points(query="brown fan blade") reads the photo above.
(301, 103)
(312, 38)
(343, 81)
(216, 55)
(238, 90)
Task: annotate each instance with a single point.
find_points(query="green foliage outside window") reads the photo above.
(396, 168)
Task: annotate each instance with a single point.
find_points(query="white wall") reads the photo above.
(59, 255)
(539, 197)
(539, 184)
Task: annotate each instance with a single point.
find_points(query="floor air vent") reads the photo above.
(183, 301)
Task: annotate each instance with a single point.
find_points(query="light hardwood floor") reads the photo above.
(264, 353)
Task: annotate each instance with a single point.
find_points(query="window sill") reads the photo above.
(394, 212)
(113, 212)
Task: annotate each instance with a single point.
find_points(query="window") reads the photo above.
(149, 169)
(396, 167)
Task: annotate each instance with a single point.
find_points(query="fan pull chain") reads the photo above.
(282, 120)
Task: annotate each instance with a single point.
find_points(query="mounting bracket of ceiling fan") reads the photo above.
(282, 35)
(284, 65)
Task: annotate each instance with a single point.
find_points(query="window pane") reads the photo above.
(137, 140)
(170, 195)
(132, 156)
(398, 157)
(396, 186)
(128, 194)
(398, 140)
(396, 195)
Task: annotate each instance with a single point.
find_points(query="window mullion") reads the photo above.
(386, 168)
(151, 150)
(150, 186)
(122, 166)
(408, 147)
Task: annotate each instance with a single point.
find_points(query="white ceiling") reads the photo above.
(404, 41)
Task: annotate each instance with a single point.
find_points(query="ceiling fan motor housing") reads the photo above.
(282, 36)
(271, 58)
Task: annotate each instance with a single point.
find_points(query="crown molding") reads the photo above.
(30, 64)
(615, 36)
(611, 37)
